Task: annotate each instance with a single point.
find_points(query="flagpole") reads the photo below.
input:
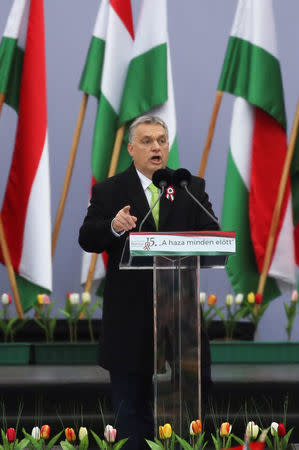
(10, 270)
(69, 172)
(277, 209)
(112, 171)
(210, 135)
(2, 98)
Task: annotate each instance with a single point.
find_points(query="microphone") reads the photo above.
(182, 178)
(161, 178)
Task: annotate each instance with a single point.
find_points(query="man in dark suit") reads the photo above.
(117, 206)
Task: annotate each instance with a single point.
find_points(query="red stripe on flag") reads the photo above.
(31, 133)
(124, 10)
(268, 155)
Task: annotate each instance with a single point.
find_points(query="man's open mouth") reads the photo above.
(156, 158)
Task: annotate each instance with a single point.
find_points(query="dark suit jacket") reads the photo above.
(127, 333)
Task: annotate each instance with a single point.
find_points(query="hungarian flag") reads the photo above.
(295, 196)
(258, 145)
(26, 206)
(104, 77)
(149, 86)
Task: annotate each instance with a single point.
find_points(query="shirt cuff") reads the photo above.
(114, 232)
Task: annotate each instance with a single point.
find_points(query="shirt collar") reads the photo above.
(145, 182)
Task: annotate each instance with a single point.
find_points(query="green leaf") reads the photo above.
(84, 443)
(153, 445)
(120, 443)
(53, 441)
(183, 443)
(65, 313)
(66, 445)
(31, 439)
(236, 438)
(22, 444)
(98, 440)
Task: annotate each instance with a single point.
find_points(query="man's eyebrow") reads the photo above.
(150, 136)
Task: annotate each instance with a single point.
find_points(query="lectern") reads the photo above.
(176, 260)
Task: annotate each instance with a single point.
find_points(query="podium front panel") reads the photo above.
(176, 341)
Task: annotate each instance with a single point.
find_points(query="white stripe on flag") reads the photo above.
(35, 264)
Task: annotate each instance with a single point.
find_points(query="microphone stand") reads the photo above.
(162, 187)
(199, 204)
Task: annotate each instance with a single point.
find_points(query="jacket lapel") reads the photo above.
(138, 199)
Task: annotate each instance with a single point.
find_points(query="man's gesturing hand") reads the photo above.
(123, 221)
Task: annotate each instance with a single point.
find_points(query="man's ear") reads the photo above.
(130, 149)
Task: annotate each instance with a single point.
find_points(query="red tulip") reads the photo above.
(11, 434)
(258, 299)
(45, 432)
(70, 434)
(195, 427)
(281, 431)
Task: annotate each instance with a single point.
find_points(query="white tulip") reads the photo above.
(229, 300)
(239, 299)
(86, 297)
(35, 433)
(252, 430)
(274, 426)
(202, 297)
(74, 298)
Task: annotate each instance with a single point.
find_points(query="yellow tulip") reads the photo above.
(225, 429)
(165, 432)
(251, 297)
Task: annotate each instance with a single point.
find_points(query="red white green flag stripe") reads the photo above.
(104, 77)
(251, 72)
(149, 86)
(26, 205)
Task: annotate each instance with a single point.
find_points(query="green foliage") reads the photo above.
(291, 312)
(44, 320)
(10, 327)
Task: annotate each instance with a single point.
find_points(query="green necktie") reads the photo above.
(155, 195)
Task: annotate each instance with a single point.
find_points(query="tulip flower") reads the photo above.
(294, 296)
(239, 299)
(82, 433)
(195, 427)
(11, 434)
(86, 298)
(74, 298)
(45, 432)
(70, 434)
(6, 299)
(281, 431)
(40, 299)
(165, 432)
(202, 297)
(274, 426)
(252, 430)
(251, 297)
(35, 433)
(212, 300)
(229, 300)
(258, 299)
(225, 429)
(110, 433)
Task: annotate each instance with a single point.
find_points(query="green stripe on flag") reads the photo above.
(103, 139)
(28, 292)
(241, 267)
(143, 92)
(90, 81)
(173, 161)
(11, 63)
(247, 69)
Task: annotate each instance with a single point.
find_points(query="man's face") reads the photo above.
(149, 149)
